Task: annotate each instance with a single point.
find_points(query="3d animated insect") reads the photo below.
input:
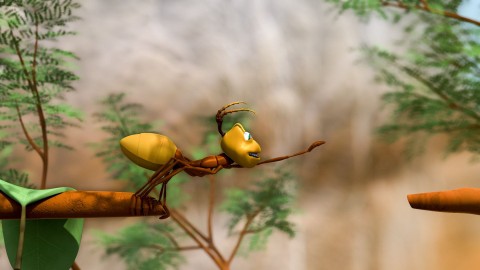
(158, 153)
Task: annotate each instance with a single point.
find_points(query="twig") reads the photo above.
(188, 248)
(171, 238)
(427, 8)
(175, 217)
(41, 116)
(190, 225)
(75, 266)
(32, 84)
(243, 232)
(211, 206)
(27, 135)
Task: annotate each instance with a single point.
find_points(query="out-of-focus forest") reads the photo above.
(298, 64)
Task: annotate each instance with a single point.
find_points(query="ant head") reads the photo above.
(239, 145)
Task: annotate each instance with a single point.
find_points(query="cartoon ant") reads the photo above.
(158, 153)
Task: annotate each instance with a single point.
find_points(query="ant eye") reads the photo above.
(247, 136)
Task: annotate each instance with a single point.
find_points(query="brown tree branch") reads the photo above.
(425, 7)
(83, 204)
(463, 200)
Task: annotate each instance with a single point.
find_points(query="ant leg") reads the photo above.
(159, 180)
(159, 173)
(162, 172)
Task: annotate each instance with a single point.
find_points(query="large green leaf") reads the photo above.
(48, 243)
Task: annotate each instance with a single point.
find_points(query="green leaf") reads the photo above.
(50, 244)
(44, 240)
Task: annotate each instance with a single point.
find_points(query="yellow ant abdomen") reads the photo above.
(148, 150)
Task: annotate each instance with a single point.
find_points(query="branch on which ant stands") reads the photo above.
(83, 204)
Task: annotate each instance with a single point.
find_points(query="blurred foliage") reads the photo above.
(34, 75)
(435, 83)
(268, 203)
(365, 8)
(154, 245)
(145, 246)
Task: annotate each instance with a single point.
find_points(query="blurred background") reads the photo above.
(297, 64)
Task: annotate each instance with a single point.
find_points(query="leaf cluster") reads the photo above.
(435, 83)
(268, 205)
(145, 246)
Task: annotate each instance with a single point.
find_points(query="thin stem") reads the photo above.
(41, 116)
(32, 84)
(188, 248)
(428, 9)
(211, 245)
(21, 238)
(20, 57)
(171, 238)
(211, 206)
(190, 225)
(27, 135)
(174, 215)
(75, 266)
(243, 232)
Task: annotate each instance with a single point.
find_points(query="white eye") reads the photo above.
(247, 136)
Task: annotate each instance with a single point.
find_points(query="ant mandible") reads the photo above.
(158, 153)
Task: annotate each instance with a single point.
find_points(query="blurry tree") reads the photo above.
(33, 77)
(435, 83)
(151, 244)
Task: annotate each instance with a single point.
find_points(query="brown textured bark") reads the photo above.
(83, 204)
(463, 200)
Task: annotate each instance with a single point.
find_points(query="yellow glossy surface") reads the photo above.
(148, 150)
(238, 148)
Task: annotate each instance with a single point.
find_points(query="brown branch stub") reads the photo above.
(83, 204)
(463, 200)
